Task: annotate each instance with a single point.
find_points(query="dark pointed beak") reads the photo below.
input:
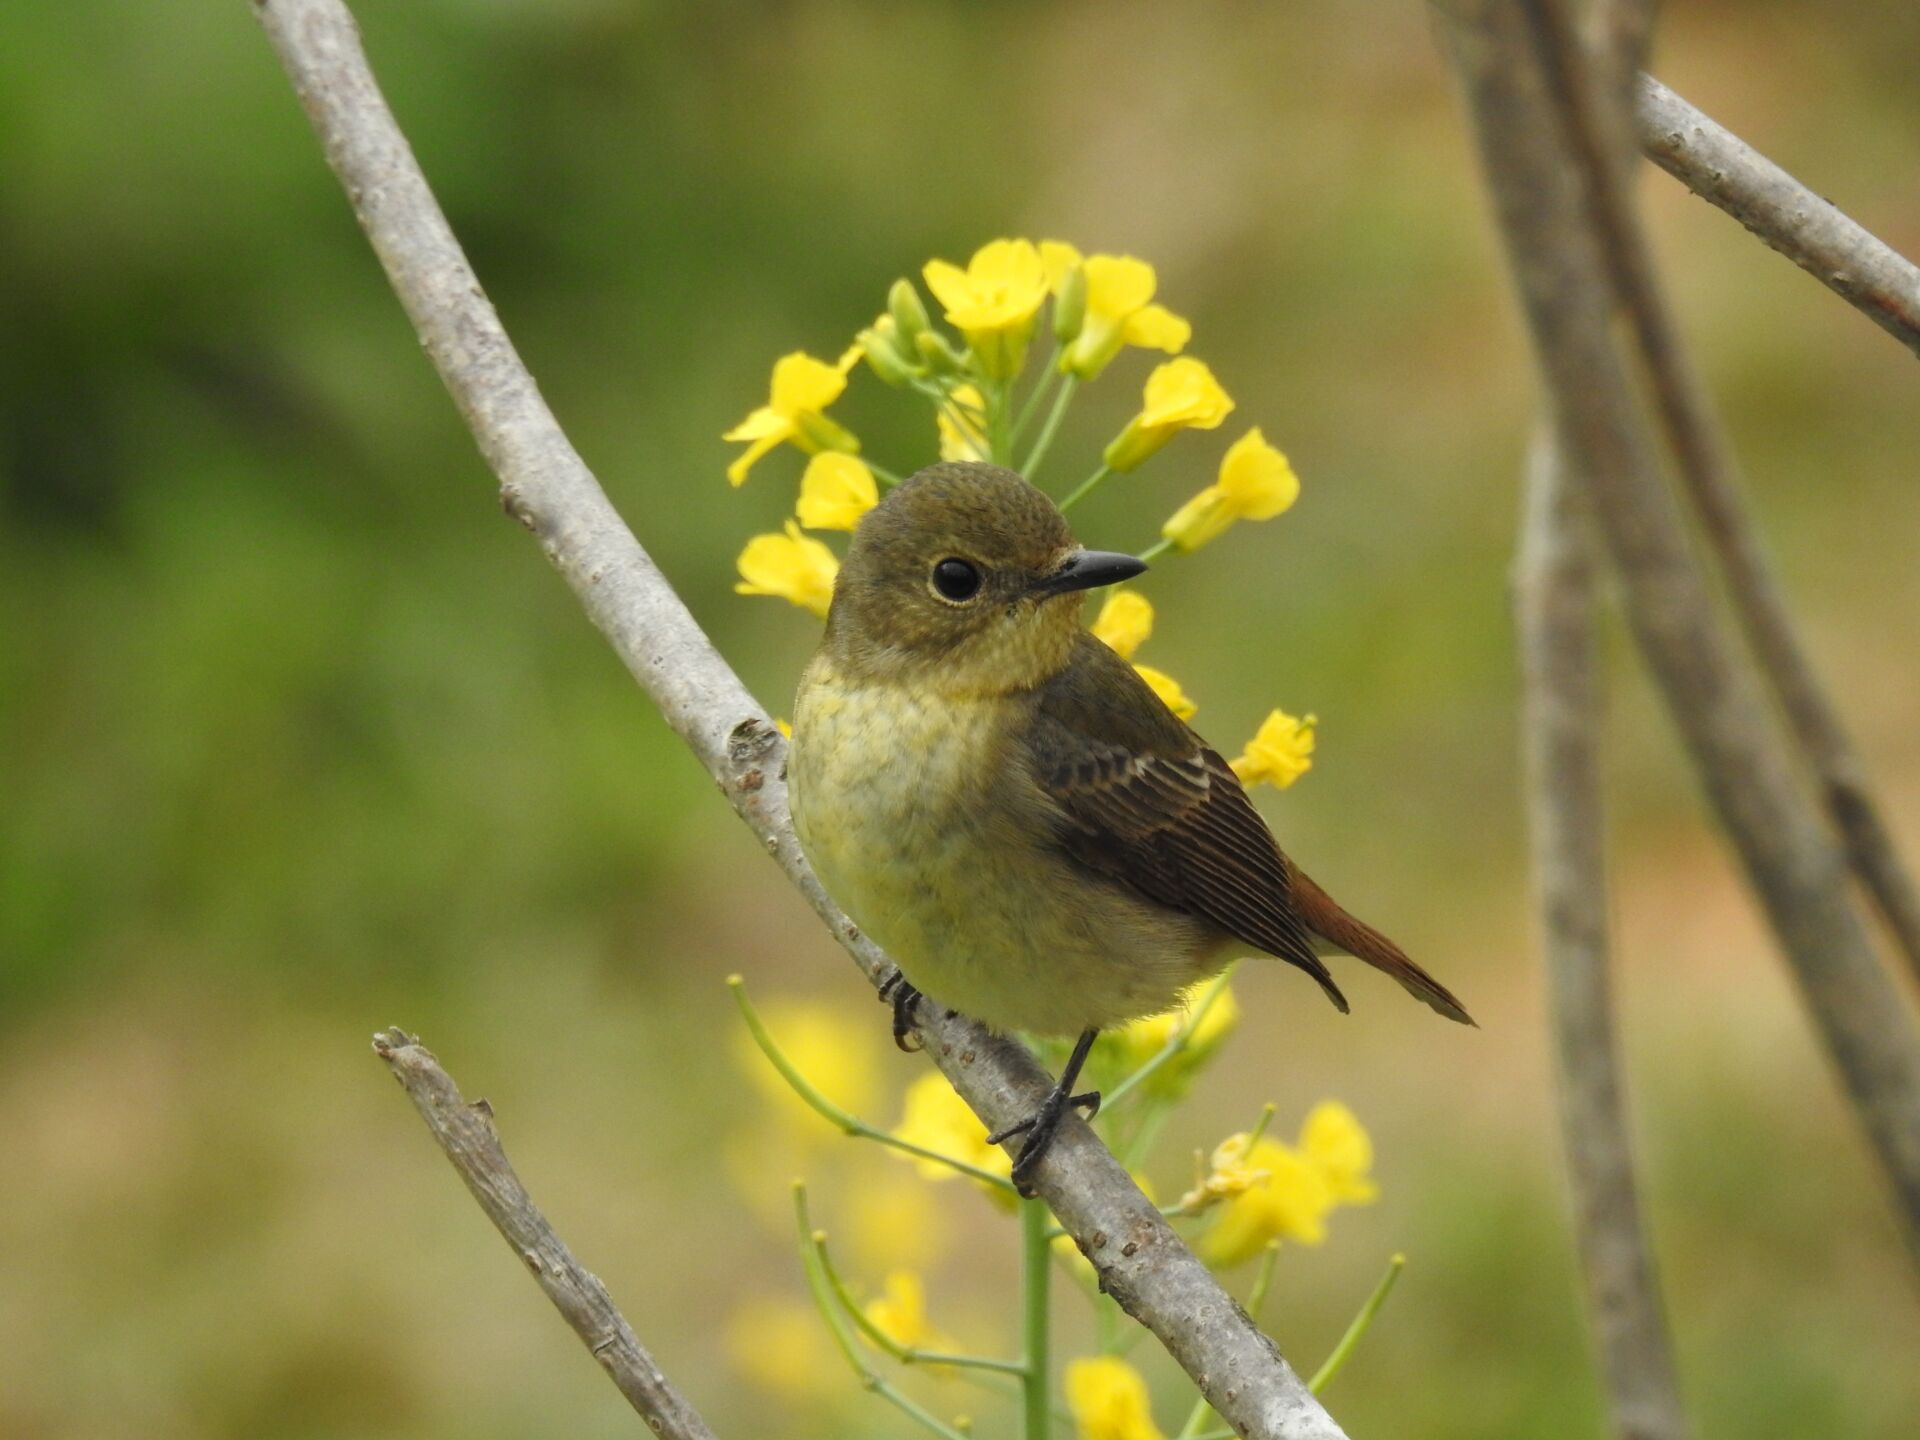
(1089, 569)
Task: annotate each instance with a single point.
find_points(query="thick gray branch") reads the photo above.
(1556, 610)
(466, 1133)
(1543, 173)
(548, 488)
(1725, 171)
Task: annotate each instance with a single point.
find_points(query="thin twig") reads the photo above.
(1541, 176)
(1556, 610)
(466, 1133)
(1808, 229)
(545, 485)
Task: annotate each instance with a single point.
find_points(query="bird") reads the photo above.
(1000, 801)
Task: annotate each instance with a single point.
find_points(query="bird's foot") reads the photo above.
(1040, 1128)
(905, 1000)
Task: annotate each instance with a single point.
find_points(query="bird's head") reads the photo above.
(965, 578)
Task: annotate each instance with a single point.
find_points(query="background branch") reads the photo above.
(1548, 180)
(467, 1134)
(1808, 229)
(1556, 612)
(547, 487)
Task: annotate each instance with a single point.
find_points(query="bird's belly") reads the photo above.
(907, 810)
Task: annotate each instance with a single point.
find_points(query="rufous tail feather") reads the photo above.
(1327, 920)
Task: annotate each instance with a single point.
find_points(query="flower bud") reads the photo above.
(938, 354)
(1070, 304)
(909, 314)
(884, 355)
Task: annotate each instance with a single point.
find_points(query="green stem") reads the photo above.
(905, 1354)
(843, 1337)
(846, 1123)
(1044, 440)
(886, 477)
(1036, 395)
(1324, 1375)
(1176, 1042)
(1085, 488)
(1156, 550)
(1035, 1275)
(1256, 1298)
(999, 395)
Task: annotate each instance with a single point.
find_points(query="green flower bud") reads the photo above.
(881, 347)
(1070, 305)
(939, 355)
(909, 315)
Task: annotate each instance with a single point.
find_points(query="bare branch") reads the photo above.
(1545, 175)
(1725, 171)
(467, 1134)
(1556, 609)
(1710, 476)
(545, 485)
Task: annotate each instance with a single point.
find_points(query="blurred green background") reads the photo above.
(299, 737)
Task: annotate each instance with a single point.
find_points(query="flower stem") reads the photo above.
(843, 1337)
(1037, 395)
(1085, 488)
(1324, 1375)
(1044, 441)
(1176, 1042)
(905, 1354)
(840, 1119)
(1156, 549)
(1035, 1275)
(886, 477)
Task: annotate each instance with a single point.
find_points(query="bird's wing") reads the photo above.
(1146, 802)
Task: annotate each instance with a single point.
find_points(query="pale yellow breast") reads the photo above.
(916, 811)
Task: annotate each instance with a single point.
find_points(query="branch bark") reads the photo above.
(1809, 230)
(1556, 609)
(1547, 178)
(467, 1134)
(547, 487)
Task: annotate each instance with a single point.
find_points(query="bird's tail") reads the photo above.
(1327, 920)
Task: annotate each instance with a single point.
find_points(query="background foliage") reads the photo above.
(297, 737)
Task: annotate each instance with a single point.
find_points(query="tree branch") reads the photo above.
(1809, 230)
(1550, 189)
(467, 1134)
(1556, 609)
(545, 485)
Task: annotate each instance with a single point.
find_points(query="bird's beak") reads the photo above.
(1088, 569)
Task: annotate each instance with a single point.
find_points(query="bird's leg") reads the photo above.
(906, 1000)
(1041, 1126)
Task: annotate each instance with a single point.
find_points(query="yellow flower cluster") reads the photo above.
(1268, 1191)
(1108, 1400)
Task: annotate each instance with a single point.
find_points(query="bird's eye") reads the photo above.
(956, 580)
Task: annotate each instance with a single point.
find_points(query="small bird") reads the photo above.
(1005, 806)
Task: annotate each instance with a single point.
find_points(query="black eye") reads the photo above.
(956, 579)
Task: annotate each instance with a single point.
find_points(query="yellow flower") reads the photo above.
(1124, 622)
(835, 491)
(900, 1313)
(1335, 1141)
(780, 1345)
(1109, 1400)
(837, 1054)
(1122, 1051)
(1270, 1192)
(1117, 309)
(1256, 483)
(1280, 752)
(961, 439)
(802, 388)
(938, 1119)
(792, 566)
(1169, 691)
(993, 301)
(1180, 395)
